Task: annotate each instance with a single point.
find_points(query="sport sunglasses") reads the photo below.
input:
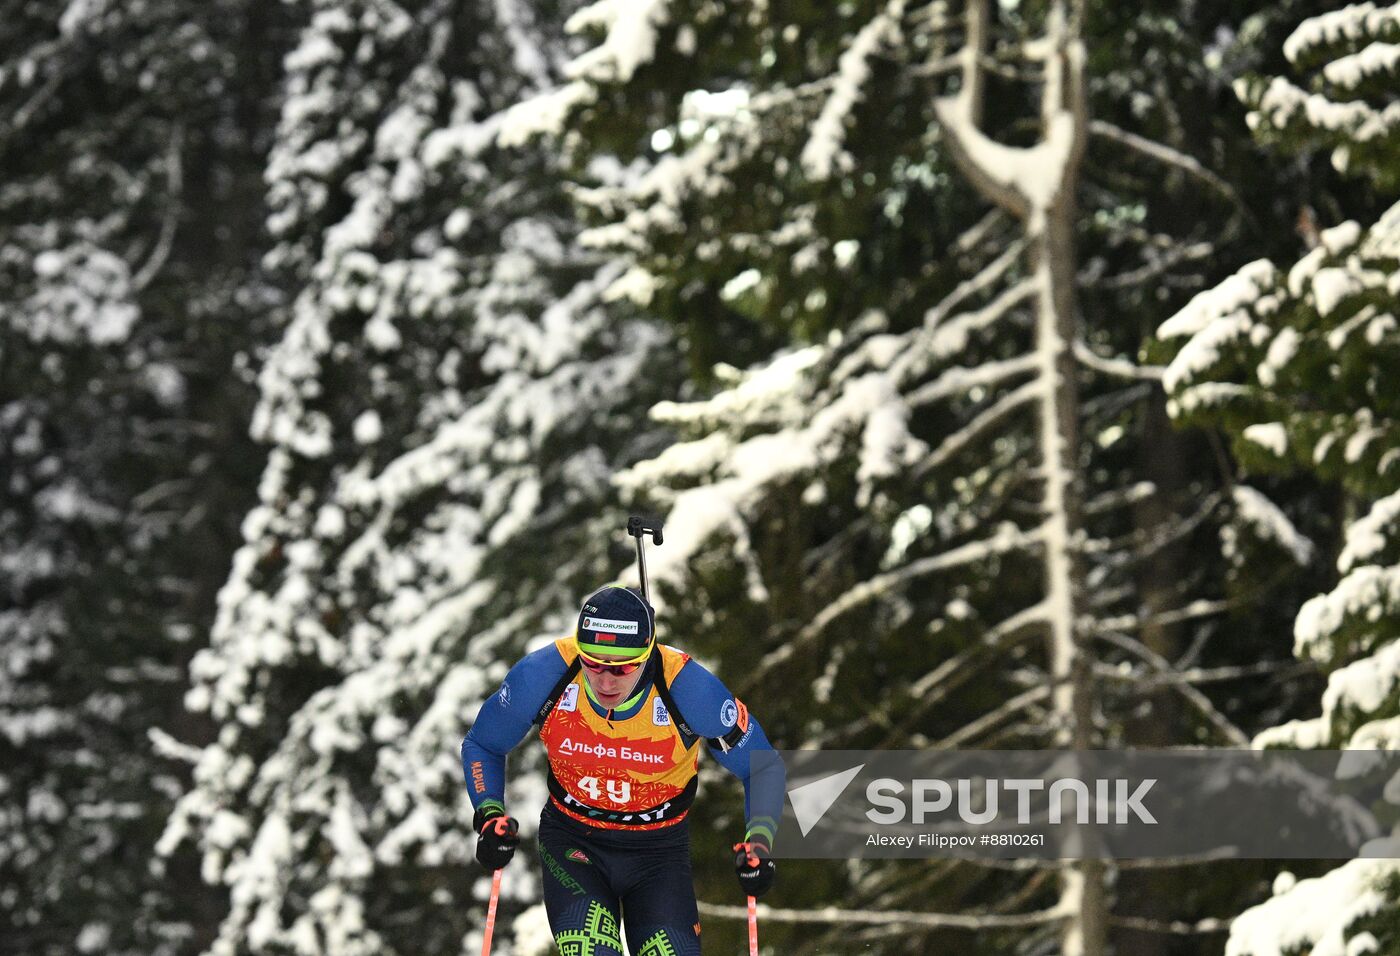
(617, 670)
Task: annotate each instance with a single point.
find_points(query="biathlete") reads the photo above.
(621, 717)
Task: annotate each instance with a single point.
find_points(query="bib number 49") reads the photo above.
(619, 791)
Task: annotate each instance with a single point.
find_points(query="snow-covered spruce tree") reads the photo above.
(448, 397)
(900, 545)
(126, 141)
(1294, 364)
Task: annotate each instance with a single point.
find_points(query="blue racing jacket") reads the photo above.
(632, 768)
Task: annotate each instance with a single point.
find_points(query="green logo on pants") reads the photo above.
(658, 945)
(599, 930)
(559, 873)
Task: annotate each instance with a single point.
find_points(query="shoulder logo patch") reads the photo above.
(728, 713)
(659, 716)
(569, 701)
(505, 694)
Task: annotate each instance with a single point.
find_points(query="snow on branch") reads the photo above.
(1378, 60)
(629, 42)
(1313, 915)
(82, 293)
(1161, 262)
(1023, 180)
(22, 116)
(983, 423)
(167, 746)
(1351, 24)
(946, 338)
(831, 914)
(766, 394)
(544, 114)
(1236, 293)
(932, 687)
(1120, 497)
(1116, 367)
(1269, 523)
(1371, 535)
(174, 172)
(1355, 694)
(1333, 110)
(960, 379)
(1201, 675)
(802, 434)
(1007, 538)
(1191, 612)
(1201, 702)
(823, 152)
(1164, 154)
(986, 230)
(984, 278)
(969, 732)
(1323, 620)
(1176, 927)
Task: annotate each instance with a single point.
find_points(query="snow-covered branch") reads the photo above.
(981, 281)
(1142, 543)
(969, 732)
(1157, 266)
(985, 230)
(831, 914)
(1116, 367)
(1193, 611)
(1176, 927)
(1023, 180)
(1227, 728)
(1201, 675)
(932, 687)
(1120, 497)
(984, 422)
(946, 338)
(823, 153)
(1008, 538)
(26, 113)
(174, 189)
(1163, 154)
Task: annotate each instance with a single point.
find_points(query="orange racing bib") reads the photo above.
(632, 774)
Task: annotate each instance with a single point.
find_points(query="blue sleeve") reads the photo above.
(504, 720)
(712, 711)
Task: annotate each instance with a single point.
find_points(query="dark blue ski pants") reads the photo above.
(597, 881)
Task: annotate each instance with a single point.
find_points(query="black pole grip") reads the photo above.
(638, 525)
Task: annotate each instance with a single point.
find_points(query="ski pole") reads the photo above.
(637, 526)
(753, 927)
(491, 912)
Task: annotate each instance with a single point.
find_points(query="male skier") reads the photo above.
(621, 717)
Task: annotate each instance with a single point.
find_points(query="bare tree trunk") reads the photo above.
(1083, 892)
(1038, 184)
(1155, 893)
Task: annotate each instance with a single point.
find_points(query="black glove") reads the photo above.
(497, 836)
(753, 863)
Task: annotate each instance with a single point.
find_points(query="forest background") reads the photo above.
(1009, 376)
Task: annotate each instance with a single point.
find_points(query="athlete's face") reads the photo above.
(609, 688)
